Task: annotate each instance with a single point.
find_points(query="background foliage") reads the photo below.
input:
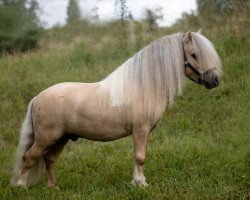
(18, 25)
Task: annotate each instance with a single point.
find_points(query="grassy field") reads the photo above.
(200, 150)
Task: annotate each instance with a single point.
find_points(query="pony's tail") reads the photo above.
(25, 142)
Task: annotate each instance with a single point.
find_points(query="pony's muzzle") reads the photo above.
(211, 80)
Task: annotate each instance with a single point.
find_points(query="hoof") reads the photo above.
(54, 187)
(140, 183)
(20, 183)
(57, 188)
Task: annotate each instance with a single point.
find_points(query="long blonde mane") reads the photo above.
(149, 81)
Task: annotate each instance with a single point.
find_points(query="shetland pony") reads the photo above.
(130, 101)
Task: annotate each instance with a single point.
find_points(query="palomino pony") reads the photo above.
(130, 101)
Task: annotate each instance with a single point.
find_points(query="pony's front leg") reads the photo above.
(140, 137)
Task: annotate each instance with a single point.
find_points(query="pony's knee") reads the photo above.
(140, 158)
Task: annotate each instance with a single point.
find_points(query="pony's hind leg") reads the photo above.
(50, 158)
(30, 158)
(140, 137)
(34, 156)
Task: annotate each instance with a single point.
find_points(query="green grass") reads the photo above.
(200, 150)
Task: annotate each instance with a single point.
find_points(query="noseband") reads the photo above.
(200, 76)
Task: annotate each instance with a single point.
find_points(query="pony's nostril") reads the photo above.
(216, 81)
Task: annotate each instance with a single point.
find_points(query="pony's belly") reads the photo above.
(97, 127)
(101, 130)
(101, 136)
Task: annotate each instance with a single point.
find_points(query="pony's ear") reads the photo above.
(199, 31)
(187, 37)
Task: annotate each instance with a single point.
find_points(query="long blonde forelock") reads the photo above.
(206, 53)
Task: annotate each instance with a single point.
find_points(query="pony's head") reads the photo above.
(202, 63)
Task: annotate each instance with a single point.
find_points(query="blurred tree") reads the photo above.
(152, 16)
(232, 15)
(188, 21)
(131, 26)
(220, 6)
(122, 27)
(20, 3)
(123, 9)
(18, 25)
(34, 7)
(94, 14)
(73, 12)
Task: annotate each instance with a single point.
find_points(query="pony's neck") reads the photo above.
(150, 80)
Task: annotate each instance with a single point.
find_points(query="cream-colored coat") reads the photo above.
(75, 108)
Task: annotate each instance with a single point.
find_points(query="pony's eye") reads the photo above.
(194, 56)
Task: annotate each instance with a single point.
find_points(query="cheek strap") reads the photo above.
(199, 75)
